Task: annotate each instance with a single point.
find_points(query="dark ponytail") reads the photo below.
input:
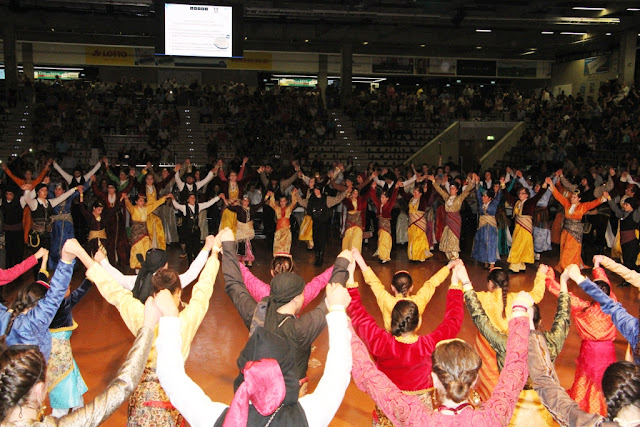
(500, 278)
(27, 298)
(404, 317)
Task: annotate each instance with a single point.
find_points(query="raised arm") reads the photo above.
(67, 177)
(630, 276)
(496, 339)
(234, 286)
(375, 338)
(80, 292)
(256, 287)
(315, 286)
(179, 207)
(93, 171)
(559, 331)
(207, 179)
(10, 274)
(42, 314)
(334, 200)
(424, 295)
(195, 268)
(56, 201)
(126, 281)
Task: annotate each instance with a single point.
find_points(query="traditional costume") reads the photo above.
(140, 239)
(354, 226)
(245, 231)
(97, 232)
(282, 239)
(232, 191)
(418, 231)
(383, 212)
(43, 214)
(190, 230)
(154, 223)
(117, 242)
(26, 219)
(485, 243)
(12, 214)
(450, 239)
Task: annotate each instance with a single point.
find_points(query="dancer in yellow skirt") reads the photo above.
(522, 249)
(356, 211)
(140, 240)
(151, 190)
(418, 247)
(383, 212)
(232, 191)
(306, 228)
(282, 239)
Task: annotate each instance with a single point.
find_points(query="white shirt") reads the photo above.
(32, 201)
(198, 184)
(199, 410)
(201, 206)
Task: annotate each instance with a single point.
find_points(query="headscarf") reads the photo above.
(284, 288)
(267, 383)
(155, 259)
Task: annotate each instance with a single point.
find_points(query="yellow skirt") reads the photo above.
(306, 229)
(156, 231)
(352, 239)
(229, 219)
(522, 248)
(140, 247)
(530, 411)
(418, 247)
(384, 245)
(282, 241)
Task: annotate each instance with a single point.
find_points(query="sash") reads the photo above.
(62, 217)
(453, 220)
(418, 219)
(13, 227)
(384, 224)
(138, 231)
(627, 236)
(575, 228)
(525, 222)
(354, 219)
(245, 231)
(97, 234)
(489, 220)
(283, 223)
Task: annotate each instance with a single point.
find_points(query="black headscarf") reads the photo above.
(154, 261)
(284, 288)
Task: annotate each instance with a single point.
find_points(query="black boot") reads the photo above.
(319, 255)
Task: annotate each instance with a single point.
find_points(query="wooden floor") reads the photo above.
(101, 341)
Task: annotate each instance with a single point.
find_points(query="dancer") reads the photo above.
(190, 231)
(496, 302)
(233, 188)
(245, 231)
(140, 239)
(117, 242)
(97, 232)
(571, 240)
(149, 403)
(383, 212)
(268, 378)
(12, 209)
(401, 286)
(65, 384)
(28, 179)
(485, 243)
(541, 225)
(419, 243)
(151, 189)
(450, 240)
(522, 249)
(356, 206)
(597, 333)
(529, 409)
(306, 228)
(401, 354)
(10, 274)
(22, 376)
(455, 366)
(282, 306)
(282, 239)
(628, 223)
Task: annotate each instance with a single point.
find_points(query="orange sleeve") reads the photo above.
(15, 179)
(40, 177)
(560, 198)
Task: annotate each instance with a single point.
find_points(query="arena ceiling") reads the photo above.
(516, 29)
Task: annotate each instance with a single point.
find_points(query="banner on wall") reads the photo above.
(597, 65)
(517, 69)
(441, 67)
(468, 67)
(392, 65)
(251, 61)
(109, 55)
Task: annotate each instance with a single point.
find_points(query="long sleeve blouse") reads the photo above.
(578, 210)
(132, 310)
(406, 361)
(528, 206)
(259, 289)
(555, 337)
(630, 276)
(199, 410)
(63, 318)
(492, 207)
(10, 274)
(627, 324)
(386, 301)
(591, 322)
(384, 211)
(453, 203)
(32, 327)
(407, 410)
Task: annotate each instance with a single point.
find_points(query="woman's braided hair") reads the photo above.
(27, 298)
(501, 279)
(621, 387)
(456, 365)
(20, 369)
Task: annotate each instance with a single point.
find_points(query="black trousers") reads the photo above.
(320, 234)
(15, 245)
(630, 254)
(192, 244)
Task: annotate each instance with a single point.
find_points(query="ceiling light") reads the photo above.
(422, 45)
(365, 43)
(306, 41)
(607, 34)
(548, 32)
(482, 31)
(578, 20)
(528, 53)
(571, 33)
(478, 47)
(588, 8)
(633, 9)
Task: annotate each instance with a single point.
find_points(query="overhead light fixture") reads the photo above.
(588, 8)
(422, 45)
(306, 40)
(571, 33)
(548, 32)
(365, 43)
(578, 20)
(633, 9)
(478, 47)
(607, 34)
(528, 53)
(245, 37)
(479, 30)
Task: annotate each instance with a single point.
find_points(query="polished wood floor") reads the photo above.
(102, 340)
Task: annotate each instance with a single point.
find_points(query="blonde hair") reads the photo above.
(456, 365)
